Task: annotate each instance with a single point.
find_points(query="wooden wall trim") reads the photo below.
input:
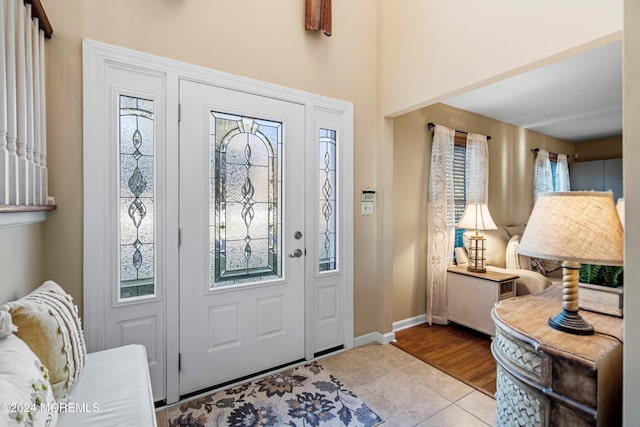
(318, 16)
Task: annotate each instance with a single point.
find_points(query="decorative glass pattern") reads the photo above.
(327, 202)
(136, 197)
(245, 202)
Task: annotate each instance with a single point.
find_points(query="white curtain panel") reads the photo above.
(477, 169)
(543, 179)
(562, 173)
(441, 223)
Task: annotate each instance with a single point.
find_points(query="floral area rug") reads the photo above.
(304, 396)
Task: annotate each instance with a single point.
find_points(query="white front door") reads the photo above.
(242, 247)
(229, 302)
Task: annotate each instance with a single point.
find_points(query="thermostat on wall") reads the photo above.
(368, 195)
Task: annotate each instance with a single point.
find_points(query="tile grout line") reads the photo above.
(433, 415)
(473, 415)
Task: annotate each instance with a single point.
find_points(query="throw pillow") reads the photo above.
(545, 266)
(461, 256)
(538, 266)
(495, 246)
(48, 322)
(512, 253)
(513, 258)
(551, 265)
(6, 326)
(25, 391)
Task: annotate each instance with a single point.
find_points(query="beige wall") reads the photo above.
(385, 56)
(599, 149)
(434, 49)
(420, 60)
(423, 61)
(411, 143)
(259, 39)
(21, 252)
(631, 178)
(510, 188)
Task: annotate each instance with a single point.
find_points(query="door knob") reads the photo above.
(296, 254)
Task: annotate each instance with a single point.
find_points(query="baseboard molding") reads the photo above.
(407, 323)
(389, 336)
(374, 337)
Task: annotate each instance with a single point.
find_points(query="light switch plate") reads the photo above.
(367, 208)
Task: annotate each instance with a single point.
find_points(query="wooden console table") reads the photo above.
(550, 378)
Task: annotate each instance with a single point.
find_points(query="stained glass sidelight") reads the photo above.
(136, 140)
(327, 202)
(245, 202)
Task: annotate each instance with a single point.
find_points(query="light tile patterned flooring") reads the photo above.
(406, 391)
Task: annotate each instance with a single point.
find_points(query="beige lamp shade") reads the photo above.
(620, 209)
(574, 227)
(476, 217)
(578, 226)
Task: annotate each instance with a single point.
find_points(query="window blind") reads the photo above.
(459, 188)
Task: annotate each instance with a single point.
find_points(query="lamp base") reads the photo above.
(570, 322)
(477, 254)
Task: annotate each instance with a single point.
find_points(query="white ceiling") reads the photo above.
(576, 99)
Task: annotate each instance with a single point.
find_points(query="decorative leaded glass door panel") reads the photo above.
(241, 203)
(245, 218)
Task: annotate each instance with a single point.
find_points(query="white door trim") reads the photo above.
(97, 57)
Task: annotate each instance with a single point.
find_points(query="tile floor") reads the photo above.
(404, 390)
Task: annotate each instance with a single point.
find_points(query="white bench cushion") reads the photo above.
(113, 390)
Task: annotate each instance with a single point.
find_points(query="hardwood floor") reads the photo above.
(458, 351)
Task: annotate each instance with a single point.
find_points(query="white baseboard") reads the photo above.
(407, 323)
(374, 337)
(389, 336)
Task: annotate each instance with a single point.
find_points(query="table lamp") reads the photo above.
(573, 227)
(476, 217)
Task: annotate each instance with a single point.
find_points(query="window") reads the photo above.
(136, 197)
(245, 213)
(554, 167)
(459, 185)
(327, 202)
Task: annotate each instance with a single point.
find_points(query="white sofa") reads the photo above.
(47, 378)
(114, 389)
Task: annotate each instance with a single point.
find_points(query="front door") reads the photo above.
(241, 220)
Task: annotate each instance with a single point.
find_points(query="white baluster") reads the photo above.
(11, 101)
(44, 187)
(4, 153)
(31, 189)
(21, 74)
(36, 112)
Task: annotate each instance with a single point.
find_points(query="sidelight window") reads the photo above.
(136, 139)
(327, 203)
